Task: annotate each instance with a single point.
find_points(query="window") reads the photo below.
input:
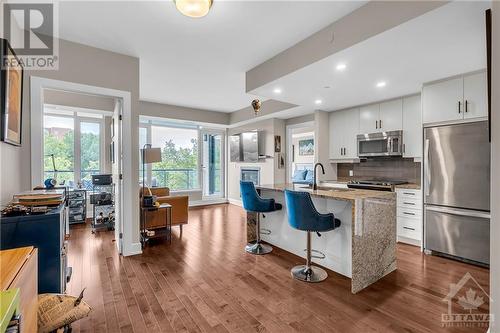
(192, 157)
(178, 169)
(59, 148)
(90, 142)
(72, 146)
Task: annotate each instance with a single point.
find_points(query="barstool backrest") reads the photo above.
(302, 214)
(252, 202)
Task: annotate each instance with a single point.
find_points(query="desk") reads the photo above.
(18, 269)
(159, 232)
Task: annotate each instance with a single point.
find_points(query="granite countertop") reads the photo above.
(334, 193)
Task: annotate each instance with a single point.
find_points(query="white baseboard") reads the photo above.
(235, 202)
(134, 249)
(409, 241)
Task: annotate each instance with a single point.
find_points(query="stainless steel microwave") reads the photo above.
(380, 144)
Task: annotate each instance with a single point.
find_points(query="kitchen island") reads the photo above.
(363, 248)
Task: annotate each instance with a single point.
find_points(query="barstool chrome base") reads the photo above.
(313, 274)
(258, 248)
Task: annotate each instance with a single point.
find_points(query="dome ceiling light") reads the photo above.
(193, 8)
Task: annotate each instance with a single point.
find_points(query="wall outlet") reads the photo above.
(351, 173)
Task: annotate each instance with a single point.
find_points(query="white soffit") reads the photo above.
(444, 42)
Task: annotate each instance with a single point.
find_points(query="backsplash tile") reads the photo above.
(391, 168)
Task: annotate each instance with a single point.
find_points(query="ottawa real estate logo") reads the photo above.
(468, 304)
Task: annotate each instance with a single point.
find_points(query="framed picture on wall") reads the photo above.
(11, 94)
(277, 144)
(306, 147)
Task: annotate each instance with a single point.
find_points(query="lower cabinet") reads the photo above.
(409, 216)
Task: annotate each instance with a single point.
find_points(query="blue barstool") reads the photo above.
(252, 202)
(302, 215)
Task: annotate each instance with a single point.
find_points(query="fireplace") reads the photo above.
(251, 174)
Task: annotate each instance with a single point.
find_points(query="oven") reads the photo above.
(380, 144)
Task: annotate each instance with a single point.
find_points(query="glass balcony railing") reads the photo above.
(175, 179)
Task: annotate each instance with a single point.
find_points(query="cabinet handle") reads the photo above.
(408, 228)
(406, 213)
(459, 107)
(409, 203)
(409, 193)
(340, 151)
(466, 106)
(380, 123)
(404, 148)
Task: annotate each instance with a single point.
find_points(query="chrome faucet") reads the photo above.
(315, 182)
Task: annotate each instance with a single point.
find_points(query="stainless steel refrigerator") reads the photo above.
(457, 191)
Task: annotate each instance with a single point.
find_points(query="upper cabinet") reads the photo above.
(381, 117)
(391, 116)
(369, 116)
(344, 127)
(412, 127)
(475, 95)
(459, 98)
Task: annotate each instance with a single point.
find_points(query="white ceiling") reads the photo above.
(198, 63)
(447, 41)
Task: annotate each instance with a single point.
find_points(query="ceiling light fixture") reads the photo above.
(277, 91)
(381, 84)
(256, 106)
(341, 67)
(318, 102)
(193, 8)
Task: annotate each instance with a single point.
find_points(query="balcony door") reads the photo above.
(212, 166)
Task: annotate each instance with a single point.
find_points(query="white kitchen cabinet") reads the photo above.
(409, 216)
(369, 116)
(475, 95)
(463, 97)
(336, 135)
(344, 126)
(412, 127)
(391, 116)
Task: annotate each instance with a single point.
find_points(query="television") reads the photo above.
(245, 147)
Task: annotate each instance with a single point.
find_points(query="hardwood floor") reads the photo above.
(205, 282)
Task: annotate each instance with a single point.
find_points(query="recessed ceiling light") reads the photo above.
(318, 101)
(381, 84)
(341, 67)
(277, 90)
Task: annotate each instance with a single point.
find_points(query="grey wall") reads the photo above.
(84, 65)
(495, 174)
(183, 113)
(58, 97)
(299, 120)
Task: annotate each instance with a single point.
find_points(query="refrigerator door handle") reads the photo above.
(427, 170)
(459, 212)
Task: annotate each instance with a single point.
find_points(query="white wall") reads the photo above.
(267, 166)
(495, 173)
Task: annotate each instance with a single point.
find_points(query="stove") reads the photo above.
(376, 184)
